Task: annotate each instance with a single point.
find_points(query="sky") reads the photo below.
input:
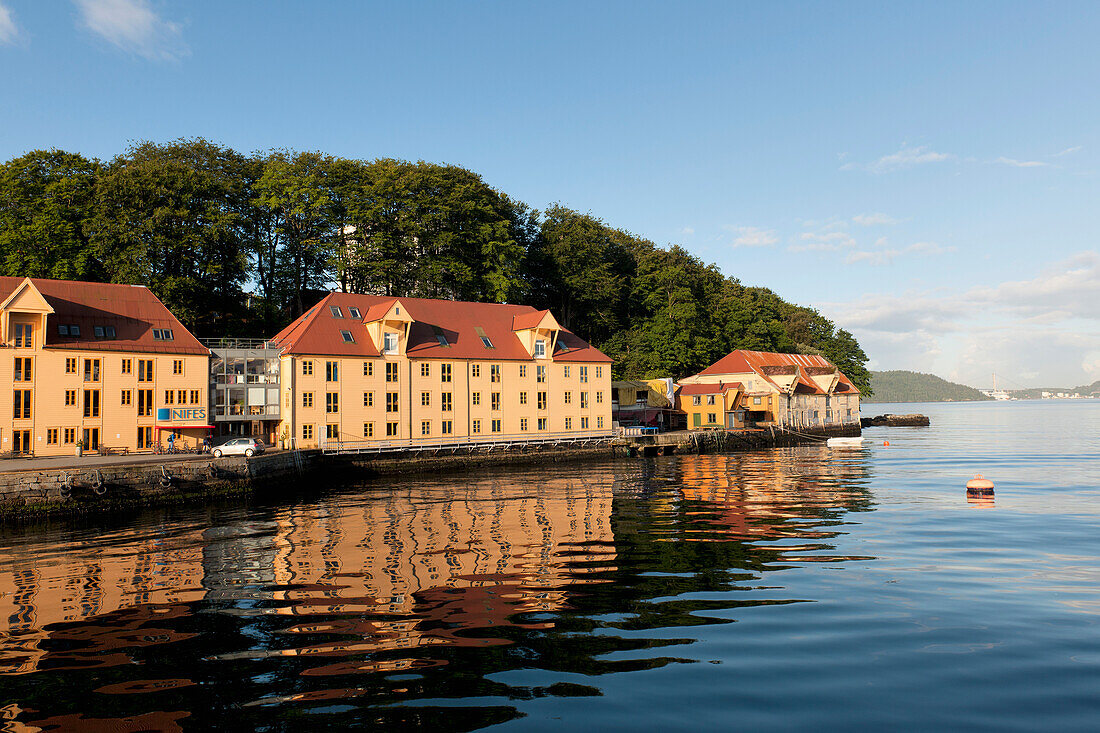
(926, 175)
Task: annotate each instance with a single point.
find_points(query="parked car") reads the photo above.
(239, 447)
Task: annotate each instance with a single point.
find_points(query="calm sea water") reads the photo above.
(793, 589)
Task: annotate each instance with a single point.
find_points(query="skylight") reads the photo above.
(162, 334)
(336, 312)
(354, 312)
(486, 342)
(348, 338)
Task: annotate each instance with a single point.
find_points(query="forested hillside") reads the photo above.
(904, 386)
(241, 244)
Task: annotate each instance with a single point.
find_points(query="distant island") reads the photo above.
(906, 386)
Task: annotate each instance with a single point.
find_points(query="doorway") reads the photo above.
(21, 442)
(91, 439)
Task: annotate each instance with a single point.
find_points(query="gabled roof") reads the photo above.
(720, 388)
(459, 323)
(764, 363)
(132, 310)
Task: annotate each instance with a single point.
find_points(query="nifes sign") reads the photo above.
(182, 413)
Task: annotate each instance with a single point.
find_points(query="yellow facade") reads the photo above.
(711, 410)
(330, 399)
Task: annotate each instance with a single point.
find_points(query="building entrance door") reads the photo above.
(91, 439)
(21, 442)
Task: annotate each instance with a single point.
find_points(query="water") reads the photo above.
(793, 589)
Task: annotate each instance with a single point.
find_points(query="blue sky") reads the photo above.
(926, 175)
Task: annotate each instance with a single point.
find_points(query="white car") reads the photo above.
(239, 447)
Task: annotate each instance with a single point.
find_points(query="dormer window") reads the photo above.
(389, 343)
(104, 332)
(348, 338)
(162, 334)
(336, 312)
(354, 312)
(540, 349)
(486, 342)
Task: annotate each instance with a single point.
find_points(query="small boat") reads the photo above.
(845, 442)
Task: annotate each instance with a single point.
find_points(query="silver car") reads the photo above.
(238, 447)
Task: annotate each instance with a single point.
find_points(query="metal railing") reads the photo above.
(238, 343)
(482, 443)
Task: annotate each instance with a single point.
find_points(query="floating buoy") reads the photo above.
(886, 442)
(979, 486)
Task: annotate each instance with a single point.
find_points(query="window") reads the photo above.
(354, 312)
(126, 396)
(495, 426)
(599, 397)
(68, 435)
(168, 397)
(181, 396)
(332, 431)
(540, 349)
(391, 402)
(444, 372)
(425, 399)
(696, 399)
(368, 369)
(391, 429)
(98, 331)
(332, 402)
(162, 334)
(584, 423)
(70, 398)
(542, 423)
(584, 400)
(145, 402)
(425, 369)
(145, 437)
(368, 427)
(495, 400)
(24, 336)
(475, 427)
(584, 374)
(756, 400)
(486, 342)
(475, 370)
(568, 423)
(523, 423)
(425, 427)
(494, 372)
(127, 366)
(368, 399)
(540, 374)
(91, 403)
(475, 398)
(145, 370)
(447, 427)
(391, 371)
(24, 369)
(711, 418)
(522, 371)
(599, 372)
(70, 365)
(307, 399)
(542, 400)
(389, 343)
(710, 399)
(346, 335)
(523, 398)
(445, 402)
(91, 370)
(307, 432)
(51, 436)
(336, 312)
(815, 412)
(599, 421)
(22, 402)
(568, 398)
(62, 329)
(565, 371)
(195, 396)
(307, 368)
(332, 371)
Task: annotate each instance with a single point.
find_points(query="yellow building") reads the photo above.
(99, 366)
(366, 369)
(782, 390)
(711, 405)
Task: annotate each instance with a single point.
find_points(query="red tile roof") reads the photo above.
(745, 362)
(693, 389)
(133, 310)
(318, 331)
(528, 320)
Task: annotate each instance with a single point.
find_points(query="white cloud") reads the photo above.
(133, 26)
(828, 237)
(905, 157)
(1020, 163)
(9, 31)
(873, 220)
(1069, 151)
(688, 231)
(754, 237)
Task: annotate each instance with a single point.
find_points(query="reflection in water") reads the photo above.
(403, 606)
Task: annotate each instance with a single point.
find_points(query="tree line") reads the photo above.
(238, 245)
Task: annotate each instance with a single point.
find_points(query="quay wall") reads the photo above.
(125, 486)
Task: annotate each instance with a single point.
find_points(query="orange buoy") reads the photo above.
(979, 485)
(886, 442)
